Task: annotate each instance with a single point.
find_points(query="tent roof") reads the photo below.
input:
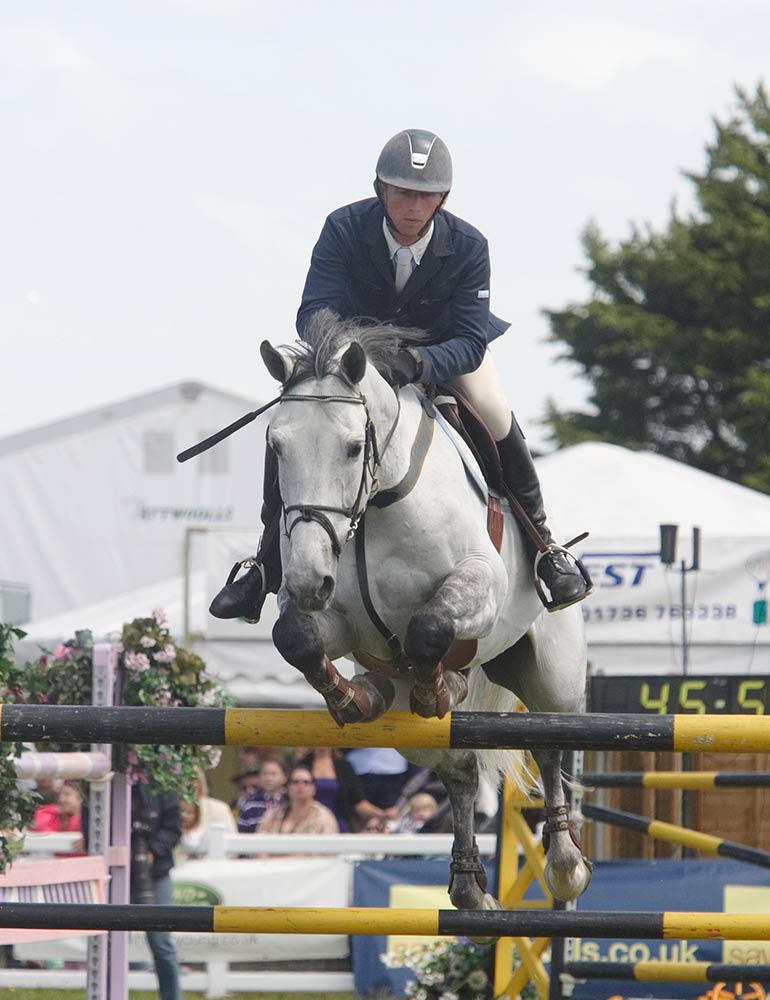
(121, 410)
(251, 670)
(612, 491)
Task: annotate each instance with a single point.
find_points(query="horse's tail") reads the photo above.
(484, 696)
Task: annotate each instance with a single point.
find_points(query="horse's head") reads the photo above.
(333, 424)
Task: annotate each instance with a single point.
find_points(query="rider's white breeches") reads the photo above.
(484, 392)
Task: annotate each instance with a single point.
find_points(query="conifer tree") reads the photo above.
(675, 341)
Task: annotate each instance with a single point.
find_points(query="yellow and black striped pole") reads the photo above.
(386, 921)
(684, 780)
(659, 830)
(461, 730)
(670, 972)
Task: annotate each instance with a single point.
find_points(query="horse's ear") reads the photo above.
(353, 363)
(279, 365)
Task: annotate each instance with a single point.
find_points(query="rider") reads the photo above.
(402, 257)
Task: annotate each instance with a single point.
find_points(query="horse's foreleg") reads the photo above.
(298, 639)
(464, 606)
(567, 871)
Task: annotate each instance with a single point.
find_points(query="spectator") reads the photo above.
(383, 773)
(270, 794)
(247, 782)
(302, 813)
(157, 828)
(198, 817)
(65, 816)
(338, 787)
(421, 807)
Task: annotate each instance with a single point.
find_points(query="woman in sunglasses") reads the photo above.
(302, 813)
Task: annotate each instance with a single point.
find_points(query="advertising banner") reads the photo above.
(638, 604)
(617, 886)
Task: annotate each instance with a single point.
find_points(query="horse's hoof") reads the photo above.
(366, 699)
(433, 701)
(566, 887)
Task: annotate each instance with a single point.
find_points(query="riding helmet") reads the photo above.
(417, 160)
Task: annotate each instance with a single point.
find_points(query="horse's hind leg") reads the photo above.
(464, 605)
(298, 639)
(567, 871)
(546, 669)
(458, 770)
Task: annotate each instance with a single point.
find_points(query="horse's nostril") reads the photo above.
(326, 588)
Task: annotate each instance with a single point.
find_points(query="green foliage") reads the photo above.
(16, 807)
(675, 340)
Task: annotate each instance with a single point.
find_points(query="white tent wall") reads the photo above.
(97, 506)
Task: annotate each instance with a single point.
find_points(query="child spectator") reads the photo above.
(63, 817)
(270, 794)
(421, 807)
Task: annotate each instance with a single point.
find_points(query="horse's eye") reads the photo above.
(354, 450)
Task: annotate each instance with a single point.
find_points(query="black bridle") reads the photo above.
(372, 459)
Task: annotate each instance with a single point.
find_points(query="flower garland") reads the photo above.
(451, 969)
(156, 671)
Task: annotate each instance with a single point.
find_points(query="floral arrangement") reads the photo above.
(158, 672)
(155, 672)
(451, 969)
(16, 807)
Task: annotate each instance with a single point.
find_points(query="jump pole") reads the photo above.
(670, 972)
(460, 730)
(659, 830)
(678, 780)
(386, 921)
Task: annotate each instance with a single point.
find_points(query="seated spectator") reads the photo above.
(198, 817)
(338, 787)
(63, 817)
(421, 807)
(302, 813)
(247, 782)
(270, 794)
(383, 773)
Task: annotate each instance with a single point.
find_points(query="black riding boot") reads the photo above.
(561, 576)
(245, 597)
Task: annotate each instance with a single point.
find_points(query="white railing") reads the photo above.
(222, 844)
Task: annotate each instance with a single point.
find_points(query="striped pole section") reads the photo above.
(462, 730)
(71, 766)
(670, 972)
(685, 780)
(678, 835)
(386, 921)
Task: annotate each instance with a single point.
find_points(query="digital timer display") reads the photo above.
(691, 695)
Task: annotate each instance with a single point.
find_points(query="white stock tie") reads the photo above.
(404, 267)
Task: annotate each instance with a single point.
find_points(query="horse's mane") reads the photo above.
(326, 334)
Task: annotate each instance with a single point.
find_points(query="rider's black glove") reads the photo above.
(406, 367)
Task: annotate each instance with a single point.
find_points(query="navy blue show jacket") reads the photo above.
(447, 295)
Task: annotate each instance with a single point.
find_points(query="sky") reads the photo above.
(166, 167)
